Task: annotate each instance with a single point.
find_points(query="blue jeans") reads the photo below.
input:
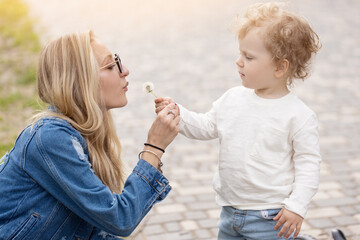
(238, 224)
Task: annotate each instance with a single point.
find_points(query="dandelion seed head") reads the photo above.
(148, 87)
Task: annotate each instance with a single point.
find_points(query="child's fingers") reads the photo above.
(277, 217)
(290, 231)
(281, 221)
(283, 229)
(298, 228)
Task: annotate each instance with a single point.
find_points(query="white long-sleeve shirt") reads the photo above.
(269, 149)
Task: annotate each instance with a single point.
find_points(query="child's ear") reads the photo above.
(281, 68)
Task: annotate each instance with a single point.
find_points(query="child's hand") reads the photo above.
(289, 220)
(161, 103)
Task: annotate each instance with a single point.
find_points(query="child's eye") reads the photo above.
(248, 57)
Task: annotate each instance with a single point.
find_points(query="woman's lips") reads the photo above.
(126, 86)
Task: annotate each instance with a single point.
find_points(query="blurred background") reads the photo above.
(185, 48)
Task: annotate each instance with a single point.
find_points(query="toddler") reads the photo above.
(269, 148)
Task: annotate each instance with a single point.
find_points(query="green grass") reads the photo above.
(19, 48)
(9, 100)
(16, 25)
(4, 148)
(35, 103)
(28, 76)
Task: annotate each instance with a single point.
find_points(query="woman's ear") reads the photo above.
(281, 68)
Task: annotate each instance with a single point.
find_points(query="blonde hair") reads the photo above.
(68, 79)
(286, 36)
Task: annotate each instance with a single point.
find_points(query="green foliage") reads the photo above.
(7, 101)
(19, 48)
(16, 26)
(27, 76)
(35, 103)
(4, 148)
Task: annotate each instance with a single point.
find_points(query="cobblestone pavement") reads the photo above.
(184, 47)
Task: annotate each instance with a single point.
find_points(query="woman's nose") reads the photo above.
(125, 71)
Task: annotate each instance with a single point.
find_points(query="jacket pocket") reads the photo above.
(27, 225)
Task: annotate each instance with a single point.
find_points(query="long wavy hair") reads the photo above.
(68, 79)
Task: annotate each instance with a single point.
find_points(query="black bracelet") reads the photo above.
(150, 145)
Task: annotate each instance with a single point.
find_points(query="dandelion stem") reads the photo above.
(153, 93)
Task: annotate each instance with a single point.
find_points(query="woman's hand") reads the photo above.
(165, 127)
(290, 221)
(161, 103)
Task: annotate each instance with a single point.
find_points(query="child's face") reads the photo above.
(255, 64)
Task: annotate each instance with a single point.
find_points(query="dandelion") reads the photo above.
(148, 87)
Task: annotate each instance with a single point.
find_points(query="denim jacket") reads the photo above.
(49, 190)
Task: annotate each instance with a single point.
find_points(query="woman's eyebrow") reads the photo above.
(107, 59)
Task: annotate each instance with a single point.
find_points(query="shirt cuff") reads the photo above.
(295, 207)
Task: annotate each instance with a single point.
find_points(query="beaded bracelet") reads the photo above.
(150, 145)
(160, 162)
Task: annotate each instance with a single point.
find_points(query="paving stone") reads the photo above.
(320, 195)
(215, 231)
(203, 158)
(171, 208)
(329, 186)
(320, 223)
(336, 202)
(202, 176)
(207, 182)
(172, 236)
(202, 205)
(189, 225)
(305, 225)
(195, 215)
(185, 199)
(354, 229)
(206, 196)
(164, 218)
(194, 190)
(348, 210)
(153, 229)
(172, 227)
(345, 220)
(214, 213)
(351, 192)
(208, 223)
(168, 200)
(317, 233)
(188, 183)
(336, 194)
(138, 237)
(203, 234)
(323, 212)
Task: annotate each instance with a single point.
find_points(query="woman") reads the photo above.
(63, 179)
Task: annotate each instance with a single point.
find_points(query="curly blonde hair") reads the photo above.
(286, 36)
